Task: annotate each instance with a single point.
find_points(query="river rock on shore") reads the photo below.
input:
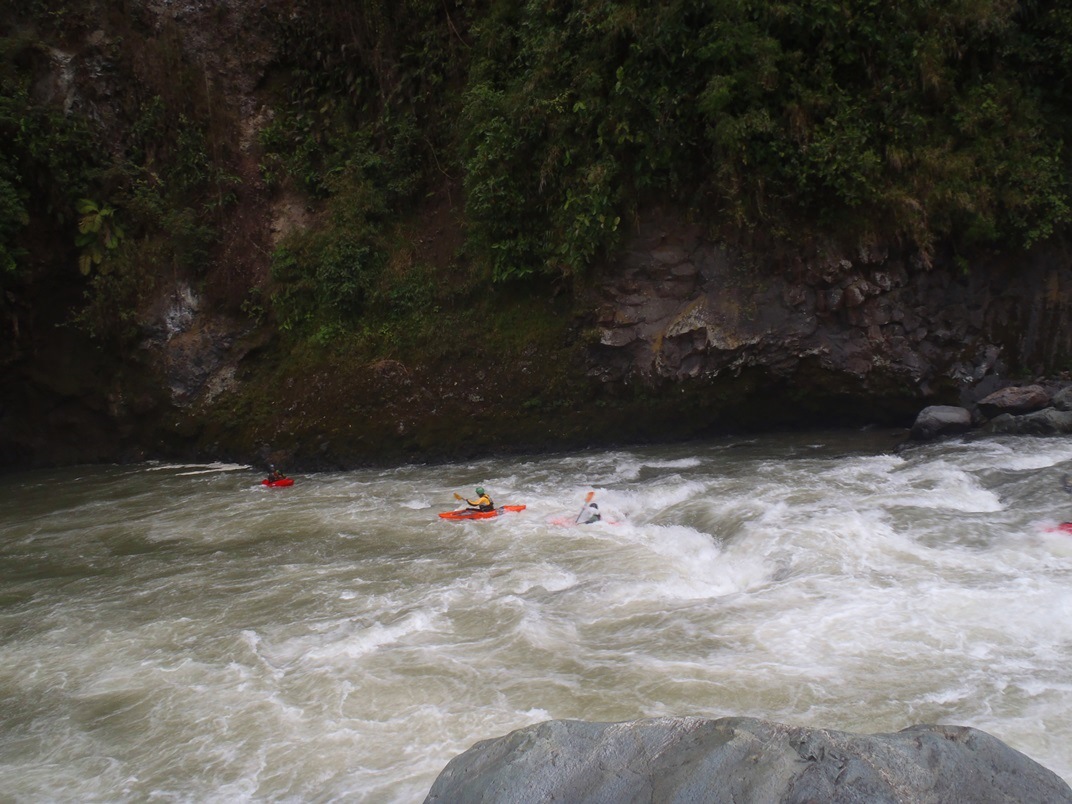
(1014, 400)
(736, 759)
(1041, 422)
(936, 420)
(1011, 410)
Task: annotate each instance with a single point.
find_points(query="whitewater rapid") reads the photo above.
(181, 633)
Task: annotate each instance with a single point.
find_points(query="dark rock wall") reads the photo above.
(678, 306)
(774, 333)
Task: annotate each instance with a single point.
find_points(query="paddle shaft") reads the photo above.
(587, 499)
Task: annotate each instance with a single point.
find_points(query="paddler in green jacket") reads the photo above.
(482, 502)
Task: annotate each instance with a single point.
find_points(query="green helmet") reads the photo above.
(480, 491)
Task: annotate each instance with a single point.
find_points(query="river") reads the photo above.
(182, 633)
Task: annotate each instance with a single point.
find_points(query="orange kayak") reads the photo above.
(502, 509)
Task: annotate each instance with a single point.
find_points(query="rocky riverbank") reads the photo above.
(1032, 409)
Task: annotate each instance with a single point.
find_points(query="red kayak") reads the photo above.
(275, 484)
(1064, 527)
(502, 509)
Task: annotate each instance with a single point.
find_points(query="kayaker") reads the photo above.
(591, 514)
(482, 502)
(274, 475)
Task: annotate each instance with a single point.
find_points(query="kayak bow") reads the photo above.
(502, 509)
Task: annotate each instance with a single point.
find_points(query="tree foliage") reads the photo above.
(47, 160)
(923, 119)
(98, 233)
(75, 191)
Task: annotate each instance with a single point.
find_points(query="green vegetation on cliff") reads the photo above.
(925, 120)
(449, 155)
(132, 142)
(552, 126)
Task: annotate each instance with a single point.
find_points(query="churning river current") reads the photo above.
(182, 633)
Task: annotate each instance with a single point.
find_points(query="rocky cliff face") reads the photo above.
(752, 338)
(883, 325)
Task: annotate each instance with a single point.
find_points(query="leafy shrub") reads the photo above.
(926, 120)
(323, 278)
(113, 298)
(47, 160)
(13, 218)
(98, 233)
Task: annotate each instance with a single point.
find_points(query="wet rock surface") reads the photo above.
(1014, 400)
(940, 420)
(1032, 409)
(678, 305)
(689, 759)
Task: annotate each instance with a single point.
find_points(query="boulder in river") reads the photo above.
(1015, 400)
(1062, 400)
(1042, 422)
(691, 759)
(940, 420)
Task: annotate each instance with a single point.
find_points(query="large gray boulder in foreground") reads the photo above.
(739, 760)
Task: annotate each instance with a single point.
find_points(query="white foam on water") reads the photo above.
(359, 640)
(174, 636)
(196, 468)
(215, 468)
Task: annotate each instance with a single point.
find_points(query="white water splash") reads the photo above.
(179, 632)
